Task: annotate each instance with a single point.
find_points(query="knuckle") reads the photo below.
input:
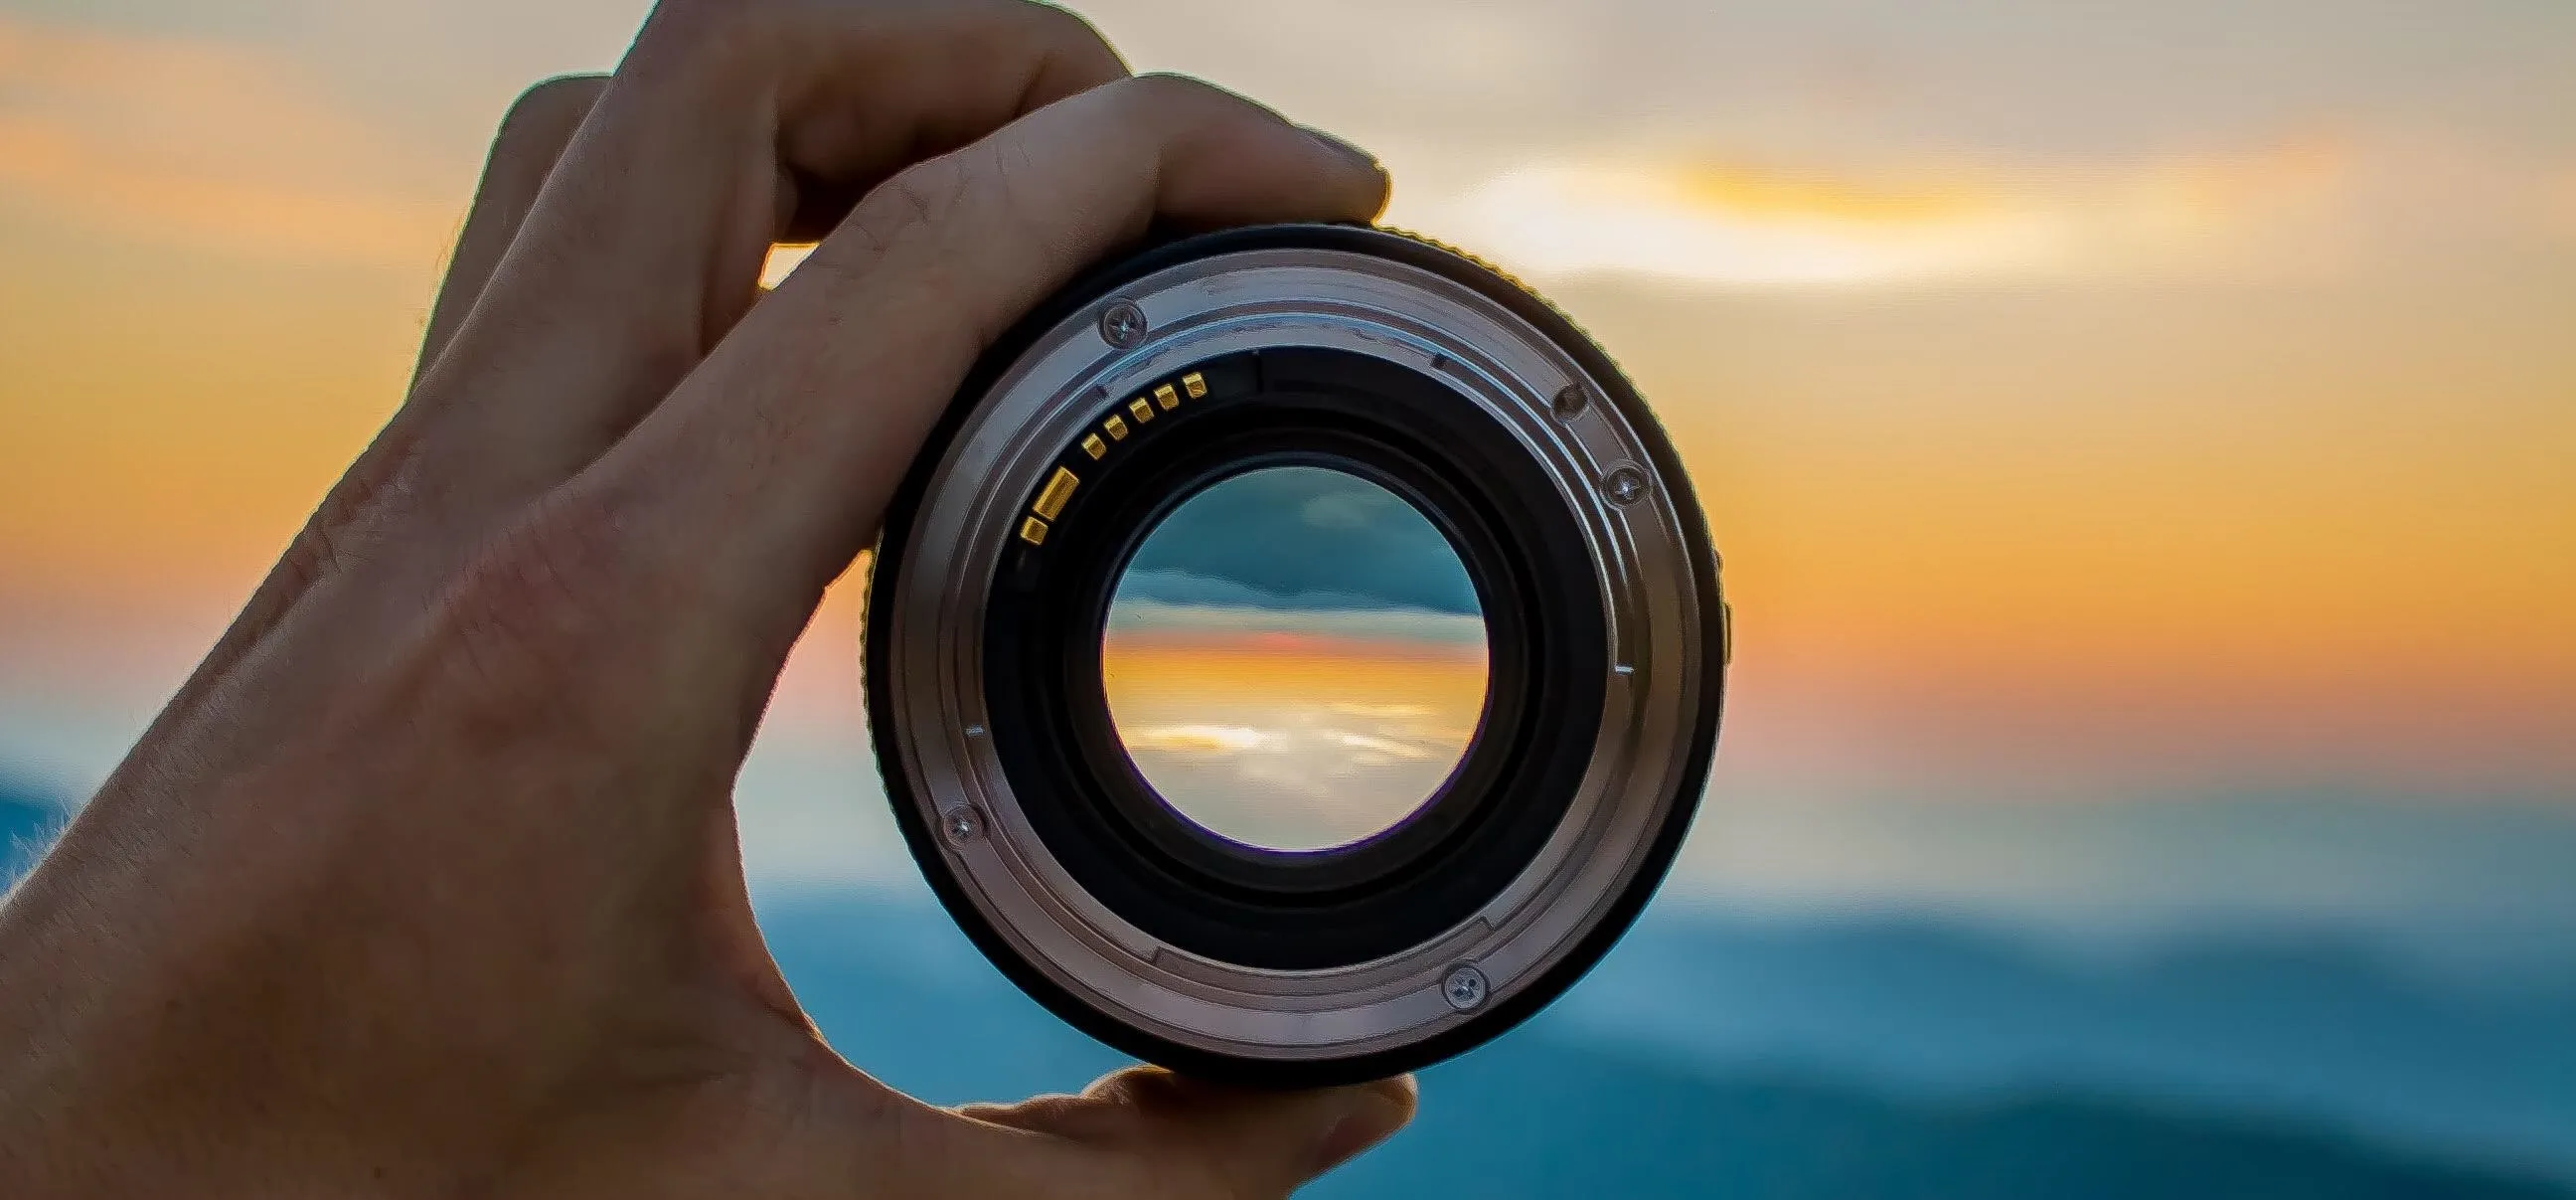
(1164, 91)
(1141, 118)
(1168, 103)
(349, 527)
(695, 21)
(740, 40)
(1070, 35)
(914, 202)
(526, 614)
(547, 112)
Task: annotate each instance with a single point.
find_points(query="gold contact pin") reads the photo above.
(1059, 489)
(1033, 531)
(1195, 384)
(1117, 427)
(1166, 397)
(1093, 446)
(1144, 411)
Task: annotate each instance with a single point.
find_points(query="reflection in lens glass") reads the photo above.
(1295, 658)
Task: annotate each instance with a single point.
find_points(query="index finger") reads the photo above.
(646, 241)
(771, 465)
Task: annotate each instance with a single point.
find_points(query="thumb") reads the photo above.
(1188, 1138)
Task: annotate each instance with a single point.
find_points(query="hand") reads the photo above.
(426, 883)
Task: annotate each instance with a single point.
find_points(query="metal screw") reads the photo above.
(1122, 324)
(1464, 989)
(1625, 485)
(962, 825)
(1568, 402)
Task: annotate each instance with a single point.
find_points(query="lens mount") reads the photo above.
(1418, 371)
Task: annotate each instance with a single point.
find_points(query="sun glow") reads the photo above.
(1707, 225)
(1697, 224)
(1749, 225)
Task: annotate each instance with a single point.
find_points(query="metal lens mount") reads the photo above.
(1419, 370)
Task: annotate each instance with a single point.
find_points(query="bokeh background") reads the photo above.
(2142, 438)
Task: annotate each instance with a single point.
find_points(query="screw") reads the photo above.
(1625, 486)
(1122, 324)
(1464, 989)
(1568, 402)
(962, 824)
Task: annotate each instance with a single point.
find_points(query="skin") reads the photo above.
(426, 883)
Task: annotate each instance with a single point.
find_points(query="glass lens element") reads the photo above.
(1295, 659)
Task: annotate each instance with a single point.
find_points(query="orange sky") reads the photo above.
(1295, 741)
(2154, 459)
(1162, 678)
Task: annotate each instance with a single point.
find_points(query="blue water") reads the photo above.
(1882, 1059)
(1715, 1053)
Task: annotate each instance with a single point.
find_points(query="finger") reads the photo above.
(524, 152)
(771, 465)
(647, 242)
(1218, 1141)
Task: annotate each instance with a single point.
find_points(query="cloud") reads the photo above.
(1297, 776)
(1725, 223)
(2292, 206)
(1168, 585)
(1372, 749)
(1301, 538)
(206, 143)
(1413, 625)
(1199, 739)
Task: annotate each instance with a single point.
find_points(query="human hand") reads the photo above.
(427, 883)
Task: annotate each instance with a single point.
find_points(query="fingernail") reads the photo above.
(1357, 156)
(1370, 1115)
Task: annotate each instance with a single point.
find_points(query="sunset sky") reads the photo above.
(2140, 435)
(1295, 658)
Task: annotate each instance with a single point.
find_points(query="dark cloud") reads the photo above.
(1301, 539)
(1207, 591)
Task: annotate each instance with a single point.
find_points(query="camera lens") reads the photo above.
(1296, 655)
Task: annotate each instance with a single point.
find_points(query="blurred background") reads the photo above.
(2142, 438)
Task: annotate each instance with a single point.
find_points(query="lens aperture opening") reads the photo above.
(1295, 659)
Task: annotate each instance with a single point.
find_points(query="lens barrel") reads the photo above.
(1421, 376)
